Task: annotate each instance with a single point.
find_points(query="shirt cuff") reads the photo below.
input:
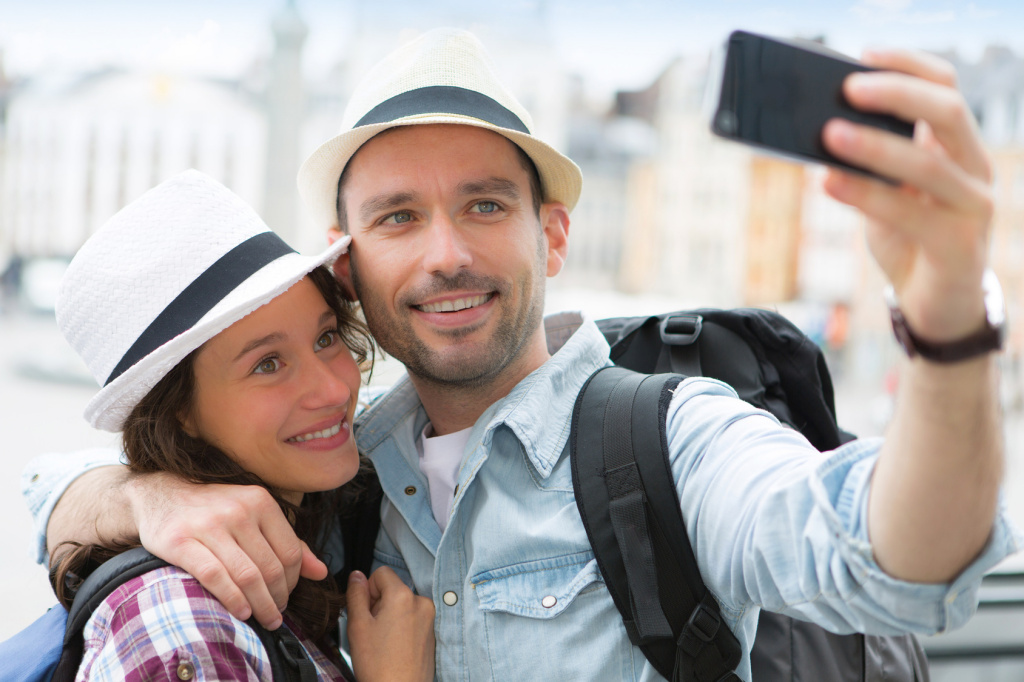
(45, 479)
(936, 606)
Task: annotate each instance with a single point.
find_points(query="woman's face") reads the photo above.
(276, 392)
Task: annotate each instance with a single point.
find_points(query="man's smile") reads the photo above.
(454, 305)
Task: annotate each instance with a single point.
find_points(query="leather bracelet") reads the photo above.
(988, 339)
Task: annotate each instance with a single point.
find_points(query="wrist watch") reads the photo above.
(986, 340)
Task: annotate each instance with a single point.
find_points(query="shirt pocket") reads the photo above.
(552, 618)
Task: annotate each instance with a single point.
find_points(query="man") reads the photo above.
(457, 214)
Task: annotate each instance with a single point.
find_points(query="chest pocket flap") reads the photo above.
(538, 589)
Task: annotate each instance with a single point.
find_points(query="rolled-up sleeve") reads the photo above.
(45, 479)
(777, 525)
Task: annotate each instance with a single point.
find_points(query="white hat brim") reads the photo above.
(318, 177)
(108, 409)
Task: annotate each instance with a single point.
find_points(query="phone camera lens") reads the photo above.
(727, 122)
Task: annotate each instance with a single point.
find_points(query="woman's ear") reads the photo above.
(188, 425)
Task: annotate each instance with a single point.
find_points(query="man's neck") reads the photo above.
(454, 408)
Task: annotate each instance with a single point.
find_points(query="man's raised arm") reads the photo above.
(935, 487)
(233, 539)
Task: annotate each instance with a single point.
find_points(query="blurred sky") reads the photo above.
(613, 43)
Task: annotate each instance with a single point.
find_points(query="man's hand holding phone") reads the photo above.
(930, 234)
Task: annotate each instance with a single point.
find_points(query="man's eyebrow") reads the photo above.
(256, 343)
(384, 202)
(493, 185)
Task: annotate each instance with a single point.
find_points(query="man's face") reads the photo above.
(448, 256)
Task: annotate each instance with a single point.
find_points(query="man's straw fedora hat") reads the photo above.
(167, 273)
(444, 76)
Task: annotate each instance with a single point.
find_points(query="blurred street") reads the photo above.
(44, 388)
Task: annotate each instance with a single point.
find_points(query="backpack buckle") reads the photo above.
(680, 330)
(699, 630)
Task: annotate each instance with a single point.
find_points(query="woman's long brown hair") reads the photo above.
(154, 440)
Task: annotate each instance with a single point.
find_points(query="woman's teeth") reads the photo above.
(326, 433)
(454, 305)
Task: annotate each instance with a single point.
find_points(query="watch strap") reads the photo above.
(986, 340)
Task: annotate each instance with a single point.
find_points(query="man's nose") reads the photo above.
(446, 251)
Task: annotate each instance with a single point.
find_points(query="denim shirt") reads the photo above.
(519, 595)
(773, 523)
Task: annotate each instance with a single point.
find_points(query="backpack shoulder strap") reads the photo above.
(360, 524)
(627, 499)
(94, 589)
(288, 660)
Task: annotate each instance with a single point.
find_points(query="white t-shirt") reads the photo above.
(440, 459)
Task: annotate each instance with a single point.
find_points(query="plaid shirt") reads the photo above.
(165, 626)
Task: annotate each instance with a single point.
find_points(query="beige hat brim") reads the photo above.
(318, 177)
(108, 409)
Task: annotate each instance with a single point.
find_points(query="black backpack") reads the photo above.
(288, 660)
(627, 499)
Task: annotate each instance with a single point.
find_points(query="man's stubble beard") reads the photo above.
(395, 335)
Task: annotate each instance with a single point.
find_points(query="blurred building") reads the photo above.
(774, 230)
(664, 206)
(994, 87)
(79, 149)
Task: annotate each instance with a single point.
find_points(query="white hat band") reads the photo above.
(444, 99)
(206, 291)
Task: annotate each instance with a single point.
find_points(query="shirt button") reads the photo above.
(450, 598)
(411, 490)
(548, 601)
(185, 671)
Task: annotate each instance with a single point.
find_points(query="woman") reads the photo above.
(226, 357)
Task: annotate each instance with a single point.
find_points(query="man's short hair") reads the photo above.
(536, 190)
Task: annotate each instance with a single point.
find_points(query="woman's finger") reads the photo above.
(357, 598)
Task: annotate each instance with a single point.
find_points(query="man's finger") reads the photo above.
(912, 99)
(902, 160)
(920, 64)
(312, 568)
(282, 566)
(205, 567)
(249, 578)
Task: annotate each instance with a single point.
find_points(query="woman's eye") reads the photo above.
(267, 366)
(485, 207)
(327, 339)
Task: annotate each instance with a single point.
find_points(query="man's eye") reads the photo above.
(485, 207)
(327, 339)
(398, 218)
(267, 366)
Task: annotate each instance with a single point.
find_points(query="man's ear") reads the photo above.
(341, 267)
(554, 219)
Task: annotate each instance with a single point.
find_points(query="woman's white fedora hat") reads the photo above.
(167, 273)
(444, 76)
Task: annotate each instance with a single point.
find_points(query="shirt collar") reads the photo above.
(538, 410)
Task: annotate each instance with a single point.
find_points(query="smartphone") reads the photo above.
(777, 95)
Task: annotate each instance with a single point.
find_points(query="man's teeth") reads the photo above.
(326, 433)
(454, 305)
